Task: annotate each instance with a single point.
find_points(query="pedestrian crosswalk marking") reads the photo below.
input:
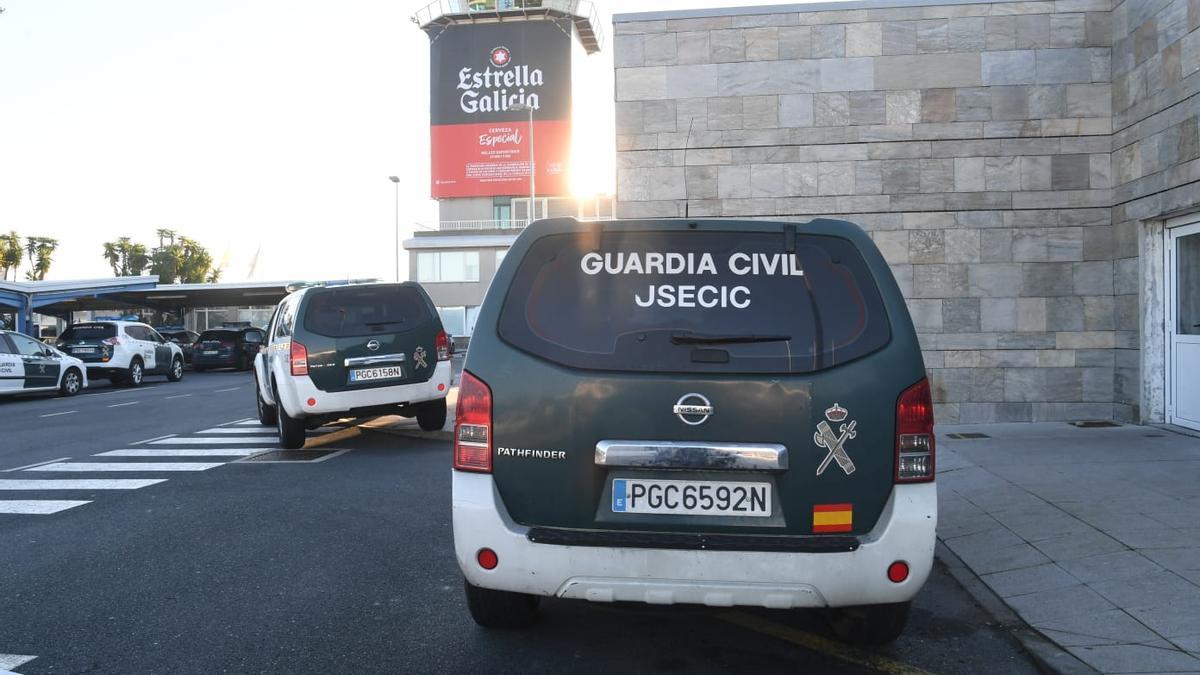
(11, 661)
(183, 452)
(38, 506)
(239, 430)
(193, 440)
(80, 484)
(140, 467)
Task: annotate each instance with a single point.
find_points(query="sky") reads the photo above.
(264, 129)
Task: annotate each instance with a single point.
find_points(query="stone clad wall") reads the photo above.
(1156, 100)
(973, 141)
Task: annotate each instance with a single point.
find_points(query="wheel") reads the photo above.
(133, 377)
(500, 609)
(72, 382)
(869, 624)
(267, 414)
(176, 372)
(291, 430)
(431, 415)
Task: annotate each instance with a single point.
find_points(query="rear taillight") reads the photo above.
(443, 346)
(299, 359)
(473, 426)
(915, 450)
(111, 341)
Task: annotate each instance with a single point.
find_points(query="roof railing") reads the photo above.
(583, 13)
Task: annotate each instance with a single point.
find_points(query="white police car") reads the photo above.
(27, 366)
(123, 351)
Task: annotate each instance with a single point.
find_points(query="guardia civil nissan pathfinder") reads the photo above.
(712, 412)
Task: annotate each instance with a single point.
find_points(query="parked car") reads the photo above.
(28, 366)
(357, 350)
(186, 340)
(227, 348)
(123, 351)
(710, 412)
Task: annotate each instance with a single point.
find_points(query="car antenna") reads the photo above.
(687, 202)
(789, 238)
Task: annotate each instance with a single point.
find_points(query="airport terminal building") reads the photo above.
(1030, 169)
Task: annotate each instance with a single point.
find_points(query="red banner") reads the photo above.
(492, 158)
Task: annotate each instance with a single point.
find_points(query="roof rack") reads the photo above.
(437, 15)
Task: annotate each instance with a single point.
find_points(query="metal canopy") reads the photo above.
(439, 14)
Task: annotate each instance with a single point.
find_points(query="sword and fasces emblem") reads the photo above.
(419, 357)
(835, 443)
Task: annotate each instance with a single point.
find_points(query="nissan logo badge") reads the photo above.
(373, 345)
(693, 409)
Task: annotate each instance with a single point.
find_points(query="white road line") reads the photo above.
(183, 452)
(68, 412)
(120, 391)
(41, 507)
(156, 438)
(10, 661)
(30, 466)
(238, 430)
(139, 467)
(221, 391)
(241, 423)
(178, 396)
(218, 440)
(121, 405)
(80, 484)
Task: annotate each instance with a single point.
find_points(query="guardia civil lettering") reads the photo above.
(740, 264)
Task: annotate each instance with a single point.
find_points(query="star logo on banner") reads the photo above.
(500, 57)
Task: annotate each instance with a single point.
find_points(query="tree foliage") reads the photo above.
(11, 254)
(176, 259)
(41, 255)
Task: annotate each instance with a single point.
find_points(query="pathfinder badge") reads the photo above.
(825, 438)
(419, 357)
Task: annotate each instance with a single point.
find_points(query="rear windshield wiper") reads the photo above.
(693, 339)
(382, 323)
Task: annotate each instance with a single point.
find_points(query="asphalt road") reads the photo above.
(345, 564)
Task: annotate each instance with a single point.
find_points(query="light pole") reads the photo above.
(521, 107)
(396, 181)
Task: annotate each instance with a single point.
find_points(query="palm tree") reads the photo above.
(41, 257)
(11, 254)
(126, 258)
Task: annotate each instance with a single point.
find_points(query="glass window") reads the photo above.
(500, 253)
(648, 299)
(434, 266)
(254, 336)
(287, 316)
(89, 331)
(27, 346)
(365, 310)
(502, 210)
(472, 317)
(4, 348)
(454, 320)
(1188, 285)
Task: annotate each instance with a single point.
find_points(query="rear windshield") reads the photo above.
(226, 335)
(695, 301)
(89, 331)
(365, 310)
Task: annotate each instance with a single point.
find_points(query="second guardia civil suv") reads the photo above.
(352, 351)
(711, 412)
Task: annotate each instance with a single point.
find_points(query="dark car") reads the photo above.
(709, 412)
(227, 348)
(186, 340)
(356, 350)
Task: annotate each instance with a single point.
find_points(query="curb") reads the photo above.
(1049, 657)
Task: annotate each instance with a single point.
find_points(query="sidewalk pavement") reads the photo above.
(1091, 535)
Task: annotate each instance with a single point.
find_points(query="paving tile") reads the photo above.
(1190, 643)
(1029, 580)
(1157, 537)
(1059, 603)
(1175, 559)
(1109, 627)
(1173, 619)
(1038, 522)
(1110, 566)
(1082, 543)
(1136, 659)
(992, 558)
(1155, 589)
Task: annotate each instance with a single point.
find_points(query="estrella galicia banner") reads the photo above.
(479, 72)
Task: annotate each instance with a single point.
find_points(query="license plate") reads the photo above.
(84, 350)
(367, 374)
(210, 352)
(691, 497)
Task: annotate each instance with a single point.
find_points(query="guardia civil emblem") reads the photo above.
(419, 357)
(835, 443)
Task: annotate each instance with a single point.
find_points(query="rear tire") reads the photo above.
(500, 609)
(175, 374)
(72, 382)
(869, 624)
(431, 415)
(136, 373)
(291, 430)
(267, 414)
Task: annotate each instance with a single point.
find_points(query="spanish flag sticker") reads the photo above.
(833, 517)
